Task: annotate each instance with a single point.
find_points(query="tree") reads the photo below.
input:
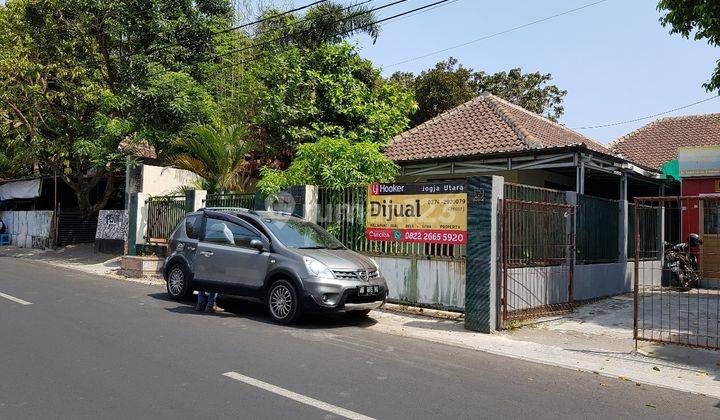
(699, 18)
(218, 155)
(444, 87)
(77, 77)
(327, 91)
(450, 84)
(529, 90)
(326, 23)
(332, 163)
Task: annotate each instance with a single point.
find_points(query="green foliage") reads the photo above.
(217, 154)
(332, 163)
(450, 84)
(529, 90)
(77, 77)
(326, 23)
(328, 91)
(699, 18)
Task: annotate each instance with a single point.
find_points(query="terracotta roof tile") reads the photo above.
(483, 125)
(138, 149)
(658, 142)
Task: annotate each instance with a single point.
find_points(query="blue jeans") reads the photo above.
(207, 299)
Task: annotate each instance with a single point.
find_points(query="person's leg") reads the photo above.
(202, 301)
(211, 305)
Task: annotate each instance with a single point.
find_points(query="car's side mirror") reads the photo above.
(257, 244)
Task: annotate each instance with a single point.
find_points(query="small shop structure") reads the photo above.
(42, 211)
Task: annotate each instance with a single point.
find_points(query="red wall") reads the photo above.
(693, 187)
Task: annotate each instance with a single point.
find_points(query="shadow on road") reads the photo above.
(254, 310)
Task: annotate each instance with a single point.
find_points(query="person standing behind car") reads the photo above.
(206, 302)
(220, 233)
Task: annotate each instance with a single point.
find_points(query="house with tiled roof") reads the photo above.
(686, 148)
(657, 143)
(489, 135)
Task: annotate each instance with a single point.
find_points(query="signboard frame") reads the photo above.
(428, 212)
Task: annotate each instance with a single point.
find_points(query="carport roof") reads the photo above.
(486, 124)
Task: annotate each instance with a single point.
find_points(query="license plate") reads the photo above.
(368, 290)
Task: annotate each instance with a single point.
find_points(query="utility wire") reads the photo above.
(386, 19)
(503, 32)
(423, 11)
(290, 35)
(647, 116)
(265, 19)
(235, 28)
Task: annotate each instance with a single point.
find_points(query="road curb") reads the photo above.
(431, 313)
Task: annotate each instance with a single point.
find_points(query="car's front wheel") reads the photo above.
(178, 283)
(283, 303)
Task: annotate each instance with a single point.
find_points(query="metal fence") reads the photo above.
(598, 230)
(538, 249)
(342, 213)
(677, 302)
(529, 193)
(650, 232)
(242, 200)
(164, 213)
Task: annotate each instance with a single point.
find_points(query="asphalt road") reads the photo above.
(90, 347)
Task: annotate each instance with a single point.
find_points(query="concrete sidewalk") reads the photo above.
(81, 257)
(603, 346)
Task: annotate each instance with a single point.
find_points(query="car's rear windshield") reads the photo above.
(295, 233)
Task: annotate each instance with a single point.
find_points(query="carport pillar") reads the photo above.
(195, 200)
(483, 268)
(580, 178)
(137, 221)
(623, 231)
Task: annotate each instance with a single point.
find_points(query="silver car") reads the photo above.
(292, 265)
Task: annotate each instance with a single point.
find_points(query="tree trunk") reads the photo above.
(84, 187)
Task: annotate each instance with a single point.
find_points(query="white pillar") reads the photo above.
(141, 223)
(580, 178)
(623, 231)
(311, 203)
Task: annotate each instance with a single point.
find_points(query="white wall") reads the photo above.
(159, 180)
(24, 225)
(438, 283)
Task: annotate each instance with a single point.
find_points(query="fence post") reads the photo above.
(482, 269)
(571, 198)
(137, 221)
(195, 200)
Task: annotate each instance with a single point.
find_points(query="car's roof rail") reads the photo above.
(225, 209)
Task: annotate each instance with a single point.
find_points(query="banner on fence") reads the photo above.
(431, 212)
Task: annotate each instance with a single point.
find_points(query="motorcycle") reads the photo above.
(681, 263)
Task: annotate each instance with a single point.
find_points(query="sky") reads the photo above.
(614, 58)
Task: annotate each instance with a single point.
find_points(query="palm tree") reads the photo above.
(327, 23)
(218, 155)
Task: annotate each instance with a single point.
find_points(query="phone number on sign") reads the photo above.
(443, 237)
(432, 236)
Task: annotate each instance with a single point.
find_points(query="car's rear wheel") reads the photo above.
(178, 283)
(283, 303)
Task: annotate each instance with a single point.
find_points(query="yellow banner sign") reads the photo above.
(433, 212)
